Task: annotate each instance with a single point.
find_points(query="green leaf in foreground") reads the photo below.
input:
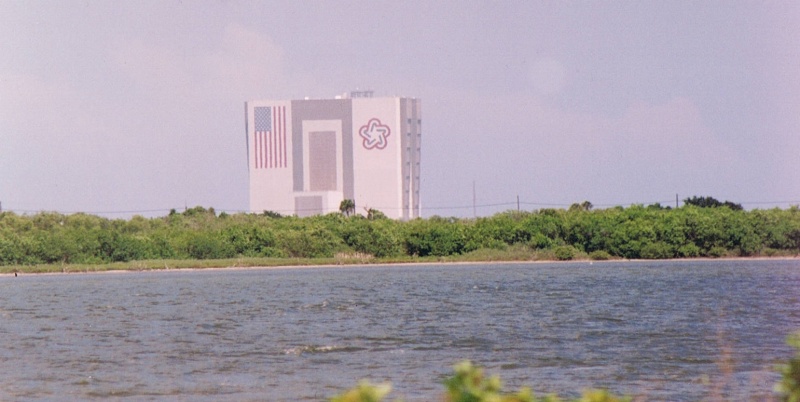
(469, 384)
(364, 392)
(789, 387)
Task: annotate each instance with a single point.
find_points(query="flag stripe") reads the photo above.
(272, 138)
(283, 142)
(281, 130)
(279, 140)
(270, 145)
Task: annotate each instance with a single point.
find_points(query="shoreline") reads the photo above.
(135, 270)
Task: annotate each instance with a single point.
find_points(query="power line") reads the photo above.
(510, 204)
(769, 202)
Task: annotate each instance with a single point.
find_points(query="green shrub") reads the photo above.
(634, 232)
(716, 252)
(689, 250)
(55, 246)
(435, 237)
(469, 384)
(10, 251)
(789, 386)
(564, 253)
(249, 240)
(516, 252)
(202, 246)
(316, 242)
(771, 252)
(371, 237)
(656, 251)
(130, 248)
(364, 392)
(272, 252)
(599, 255)
(540, 242)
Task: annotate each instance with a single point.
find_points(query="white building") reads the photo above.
(306, 156)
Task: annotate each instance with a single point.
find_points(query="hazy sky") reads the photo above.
(110, 106)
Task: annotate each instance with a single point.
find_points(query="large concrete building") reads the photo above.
(306, 156)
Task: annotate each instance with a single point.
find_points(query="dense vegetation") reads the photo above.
(469, 384)
(649, 232)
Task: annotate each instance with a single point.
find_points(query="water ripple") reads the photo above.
(674, 331)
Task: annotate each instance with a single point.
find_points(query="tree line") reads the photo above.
(649, 232)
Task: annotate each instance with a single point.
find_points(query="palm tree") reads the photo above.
(347, 207)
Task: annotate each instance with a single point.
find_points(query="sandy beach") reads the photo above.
(134, 270)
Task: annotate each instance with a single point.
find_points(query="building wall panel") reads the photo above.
(322, 161)
(376, 155)
(305, 156)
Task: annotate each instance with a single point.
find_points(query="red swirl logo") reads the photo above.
(375, 134)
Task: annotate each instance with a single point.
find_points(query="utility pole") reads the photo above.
(676, 200)
(517, 202)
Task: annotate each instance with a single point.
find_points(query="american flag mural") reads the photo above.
(270, 137)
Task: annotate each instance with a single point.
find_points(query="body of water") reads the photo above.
(665, 330)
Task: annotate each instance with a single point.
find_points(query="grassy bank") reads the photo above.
(483, 255)
(252, 262)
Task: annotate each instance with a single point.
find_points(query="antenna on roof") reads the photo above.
(362, 94)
